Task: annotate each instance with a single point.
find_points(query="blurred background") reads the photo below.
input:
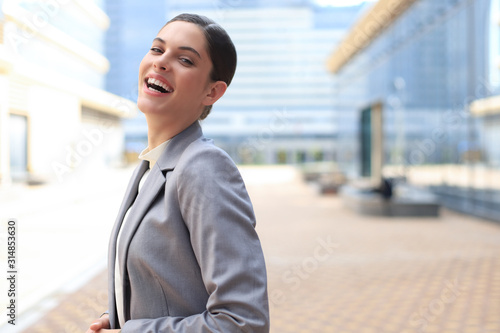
(390, 108)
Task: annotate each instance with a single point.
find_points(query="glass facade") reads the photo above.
(62, 62)
(64, 37)
(67, 18)
(133, 26)
(426, 69)
(281, 69)
(281, 92)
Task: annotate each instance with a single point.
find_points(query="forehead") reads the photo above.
(185, 33)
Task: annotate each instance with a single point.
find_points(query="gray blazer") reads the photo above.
(194, 262)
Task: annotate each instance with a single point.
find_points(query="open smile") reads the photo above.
(157, 86)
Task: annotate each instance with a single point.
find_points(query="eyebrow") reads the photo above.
(185, 48)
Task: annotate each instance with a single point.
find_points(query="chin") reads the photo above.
(147, 107)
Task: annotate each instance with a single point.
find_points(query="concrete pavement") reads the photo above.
(63, 231)
(331, 270)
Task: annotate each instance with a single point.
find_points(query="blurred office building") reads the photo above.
(133, 25)
(55, 116)
(414, 93)
(279, 106)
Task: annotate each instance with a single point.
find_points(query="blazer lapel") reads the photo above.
(177, 145)
(149, 190)
(130, 195)
(154, 183)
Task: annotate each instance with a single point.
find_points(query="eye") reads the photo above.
(156, 50)
(186, 61)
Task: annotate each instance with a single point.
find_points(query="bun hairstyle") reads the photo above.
(220, 49)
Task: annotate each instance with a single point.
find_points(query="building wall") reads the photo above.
(66, 37)
(281, 92)
(494, 46)
(133, 25)
(491, 122)
(426, 69)
(52, 70)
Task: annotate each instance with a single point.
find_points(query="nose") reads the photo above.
(162, 68)
(161, 64)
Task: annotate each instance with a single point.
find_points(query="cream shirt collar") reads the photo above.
(154, 154)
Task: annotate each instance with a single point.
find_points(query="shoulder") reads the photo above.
(202, 157)
(207, 169)
(209, 183)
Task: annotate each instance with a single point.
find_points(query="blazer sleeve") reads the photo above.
(218, 213)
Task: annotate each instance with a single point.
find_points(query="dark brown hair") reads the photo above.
(220, 48)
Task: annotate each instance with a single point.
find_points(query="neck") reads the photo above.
(161, 130)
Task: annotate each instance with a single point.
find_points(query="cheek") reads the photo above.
(192, 79)
(142, 67)
(200, 77)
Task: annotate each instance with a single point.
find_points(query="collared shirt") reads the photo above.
(152, 156)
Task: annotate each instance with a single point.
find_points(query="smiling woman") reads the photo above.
(184, 255)
(179, 59)
(206, 51)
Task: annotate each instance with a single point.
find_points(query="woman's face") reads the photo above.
(174, 76)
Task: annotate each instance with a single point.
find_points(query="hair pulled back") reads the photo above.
(220, 49)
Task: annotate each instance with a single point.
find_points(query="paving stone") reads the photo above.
(332, 270)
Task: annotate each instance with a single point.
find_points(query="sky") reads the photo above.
(341, 3)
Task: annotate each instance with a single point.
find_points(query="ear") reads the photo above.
(217, 89)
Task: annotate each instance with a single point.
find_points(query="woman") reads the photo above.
(184, 255)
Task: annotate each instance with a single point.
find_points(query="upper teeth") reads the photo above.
(159, 83)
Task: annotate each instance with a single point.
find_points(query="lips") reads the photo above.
(157, 85)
